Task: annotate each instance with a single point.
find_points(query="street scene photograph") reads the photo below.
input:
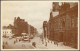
(39, 25)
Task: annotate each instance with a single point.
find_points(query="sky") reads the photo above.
(33, 12)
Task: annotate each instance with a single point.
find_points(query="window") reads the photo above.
(63, 24)
(72, 22)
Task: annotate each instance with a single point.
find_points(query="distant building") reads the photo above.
(7, 32)
(21, 26)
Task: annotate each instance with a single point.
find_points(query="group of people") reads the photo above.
(56, 43)
(34, 44)
(17, 40)
(4, 44)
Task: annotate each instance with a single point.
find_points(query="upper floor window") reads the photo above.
(72, 22)
(63, 24)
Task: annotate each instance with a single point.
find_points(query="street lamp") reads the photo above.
(29, 31)
(45, 31)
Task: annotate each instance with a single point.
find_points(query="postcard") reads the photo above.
(39, 25)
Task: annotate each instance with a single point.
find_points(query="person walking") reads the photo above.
(3, 45)
(34, 44)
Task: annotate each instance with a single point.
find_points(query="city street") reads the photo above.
(28, 45)
(39, 25)
(23, 44)
(17, 45)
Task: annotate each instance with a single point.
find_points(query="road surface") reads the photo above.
(28, 45)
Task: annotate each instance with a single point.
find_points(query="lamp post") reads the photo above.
(29, 31)
(45, 31)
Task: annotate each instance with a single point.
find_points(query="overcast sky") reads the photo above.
(33, 12)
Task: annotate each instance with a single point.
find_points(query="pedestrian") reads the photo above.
(6, 43)
(19, 40)
(42, 41)
(14, 42)
(46, 44)
(34, 44)
(56, 43)
(3, 46)
(48, 41)
(3, 42)
(51, 41)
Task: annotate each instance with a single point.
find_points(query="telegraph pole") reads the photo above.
(43, 37)
(48, 31)
(29, 31)
(46, 36)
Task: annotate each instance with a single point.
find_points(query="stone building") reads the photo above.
(21, 26)
(7, 31)
(64, 26)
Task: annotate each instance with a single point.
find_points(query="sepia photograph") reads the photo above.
(45, 25)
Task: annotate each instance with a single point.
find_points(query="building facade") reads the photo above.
(7, 33)
(64, 26)
(20, 26)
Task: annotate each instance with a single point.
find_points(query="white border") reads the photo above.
(47, 49)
